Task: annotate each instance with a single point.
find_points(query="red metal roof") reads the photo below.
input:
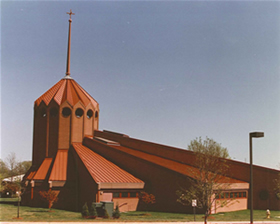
(67, 89)
(59, 170)
(173, 165)
(102, 170)
(165, 162)
(30, 175)
(43, 169)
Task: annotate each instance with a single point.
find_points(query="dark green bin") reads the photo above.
(101, 206)
(109, 206)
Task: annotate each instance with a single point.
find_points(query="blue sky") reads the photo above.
(162, 71)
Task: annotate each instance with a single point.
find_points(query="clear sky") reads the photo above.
(162, 71)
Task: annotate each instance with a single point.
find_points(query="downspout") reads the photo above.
(98, 193)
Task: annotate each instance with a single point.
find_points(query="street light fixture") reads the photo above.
(18, 193)
(252, 135)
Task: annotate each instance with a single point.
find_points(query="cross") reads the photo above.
(70, 13)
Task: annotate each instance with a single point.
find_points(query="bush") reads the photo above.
(92, 211)
(49, 196)
(85, 211)
(9, 189)
(106, 214)
(116, 213)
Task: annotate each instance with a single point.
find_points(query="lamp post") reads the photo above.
(18, 193)
(252, 135)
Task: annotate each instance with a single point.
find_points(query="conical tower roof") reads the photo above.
(67, 89)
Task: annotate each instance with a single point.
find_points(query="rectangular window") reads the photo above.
(230, 195)
(116, 195)
(133, 194)
(222, 195)
(124, 195)
(227, 195)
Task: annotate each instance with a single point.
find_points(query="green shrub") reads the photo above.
(92, 211)
(85, 211)
(116, 213)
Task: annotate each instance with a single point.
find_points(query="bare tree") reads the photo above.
(23, 167)
(11, 163)
(12, 167)
(208, 176)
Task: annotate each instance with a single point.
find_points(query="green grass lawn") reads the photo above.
(8, 212)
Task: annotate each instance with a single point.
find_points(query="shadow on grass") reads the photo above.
(141, 214)
(9, 202)
(37, 211)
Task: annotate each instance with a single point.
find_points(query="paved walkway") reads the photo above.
(241, 222)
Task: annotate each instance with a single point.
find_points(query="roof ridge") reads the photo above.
(86, 93)
(54, 88)
(80, 96)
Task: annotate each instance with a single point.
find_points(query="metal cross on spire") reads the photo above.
(69, 44)
(70, 13)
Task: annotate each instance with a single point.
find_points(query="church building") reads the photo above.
(83, 164)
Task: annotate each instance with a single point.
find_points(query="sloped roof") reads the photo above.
(43, 169)
(59, 170)
(173, 165)
(102, 170)
(67, 89)
(31, 175)
(178, 167)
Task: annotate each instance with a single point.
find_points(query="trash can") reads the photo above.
(99, 209)
(109, 206)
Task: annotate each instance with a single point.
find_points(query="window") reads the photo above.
(66, 111)
(43, 112)
(264, 195)
(96, 114)
(217, 196)
(133, 195)
(116, 195)
(89, 113)
(227, 195)
(79, 113)
(125, 194)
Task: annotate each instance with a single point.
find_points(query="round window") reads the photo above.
(89, 113)
(43, 112)
(79, 112)
(66, 111)
(264, 195)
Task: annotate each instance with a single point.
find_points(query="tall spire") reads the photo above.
(69, 44)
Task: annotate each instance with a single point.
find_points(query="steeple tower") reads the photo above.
(69, 44)
(64, 114)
